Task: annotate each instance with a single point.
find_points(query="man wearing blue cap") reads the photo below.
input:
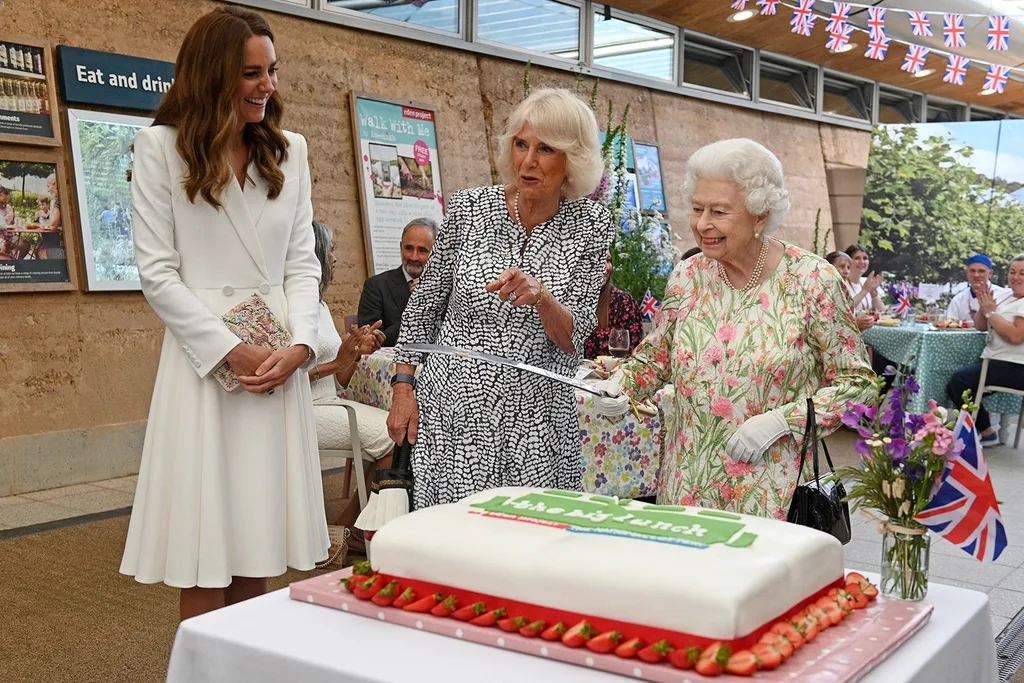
(965, 304)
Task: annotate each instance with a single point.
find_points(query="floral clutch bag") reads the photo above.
(253, 322)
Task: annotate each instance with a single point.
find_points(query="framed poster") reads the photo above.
(648, 173)
(101, 148)
(399, 172)
(27, 94)
(34, 254)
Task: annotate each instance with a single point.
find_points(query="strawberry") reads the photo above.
(832, 593)
(349, 583)
(424, 604)
(716, 651)
(532, 630)
(684, 657)
(629, 648)
(362, 567)
(822, 616)
(469, 612)
(845, 600)
(553, 632)
(790, 633)
(407, 596)
(768, 657)
(578, 634)
(655, 652)
(870, 591)
(810, 629)
(860, 601)
(446, 607)
(512, 625)
(742, 663)
(489, 618)
(855, 577)
(386, 595)
(708, 667)
(605, 643)
(367, 589)
(783, 647)
(835, 614)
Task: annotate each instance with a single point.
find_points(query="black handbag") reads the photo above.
(817, 504)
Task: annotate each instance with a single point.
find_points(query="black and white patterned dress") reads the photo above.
(484, 425)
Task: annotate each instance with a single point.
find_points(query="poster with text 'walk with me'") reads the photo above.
(400, 174)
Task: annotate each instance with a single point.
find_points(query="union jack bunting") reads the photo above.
(915, 59)
(998, 33)
(803, 12)
(805, 27)
(996, 78)
(956, 69)
(837, 40)
(964, 509)
(953, 32)
(739, 4)
(877, 47)
(649, 307)
(876, 21)
(840, 15)
(768, 6)
(919, 24)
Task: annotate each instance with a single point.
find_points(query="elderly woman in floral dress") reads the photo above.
(749, 329)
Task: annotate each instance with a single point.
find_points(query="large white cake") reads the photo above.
(705, 573)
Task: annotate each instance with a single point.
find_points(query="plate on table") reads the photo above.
(950, 325)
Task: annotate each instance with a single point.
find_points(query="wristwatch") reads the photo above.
(403, 377)
(989, 314)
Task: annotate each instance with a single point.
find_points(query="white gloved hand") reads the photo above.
(614, 404)
(755, 436)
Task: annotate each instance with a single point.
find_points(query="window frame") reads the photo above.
(746, 56)
(774, 60)
(578, 4)
(645, 22)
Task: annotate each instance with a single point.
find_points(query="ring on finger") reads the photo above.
(512, 297)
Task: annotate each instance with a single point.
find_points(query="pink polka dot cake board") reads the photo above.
(841, 654)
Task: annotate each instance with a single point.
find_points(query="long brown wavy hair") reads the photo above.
(202, 105)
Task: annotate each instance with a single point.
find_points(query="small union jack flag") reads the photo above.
(998, 33)
(877, 47)
(919, 24)
(806, 27)
(837, 40)
(739, 4)
(902, 304)
(876, 21)
(964, 509)
(840, 15)
(650, 306)
(956, 69)
(768, 6)
(915, 59)
(953, 32)
(996, 77)
(803, 12)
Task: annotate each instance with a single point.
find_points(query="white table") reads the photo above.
(275, 639)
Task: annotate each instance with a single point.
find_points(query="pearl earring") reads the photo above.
(757, 235)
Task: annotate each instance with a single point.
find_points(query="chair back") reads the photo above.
(351, 323)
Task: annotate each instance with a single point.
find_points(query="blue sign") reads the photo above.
(113, 80)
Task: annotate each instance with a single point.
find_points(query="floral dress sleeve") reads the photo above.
(626, 315)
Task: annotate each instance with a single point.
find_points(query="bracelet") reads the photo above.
(316, 374)
(404, 377)
(540, 297)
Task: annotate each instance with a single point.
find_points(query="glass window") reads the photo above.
(720, 68)
(442, 15)
(538, 25)
(897, 107)
(623, 45)
(786, 84)
(986, 114)
(846, 98)
(943, 112)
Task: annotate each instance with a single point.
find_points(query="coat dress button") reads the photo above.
(264, 288)
(228, 290)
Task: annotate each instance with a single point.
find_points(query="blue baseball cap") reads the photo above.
(980, 258)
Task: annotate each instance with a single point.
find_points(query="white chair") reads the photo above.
(354, 455)
(983, 387)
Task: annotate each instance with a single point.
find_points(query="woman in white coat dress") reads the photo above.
(229, 489)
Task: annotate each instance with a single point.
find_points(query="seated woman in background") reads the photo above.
(1004, 320)
(842, 262)
(331, 419)
(616, 309)
(864, 291)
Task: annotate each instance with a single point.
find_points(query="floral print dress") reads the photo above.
(730, 355)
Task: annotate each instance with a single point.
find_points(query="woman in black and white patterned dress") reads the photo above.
(515, 272)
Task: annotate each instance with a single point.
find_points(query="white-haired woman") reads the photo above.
(749, 329)
(515, 271)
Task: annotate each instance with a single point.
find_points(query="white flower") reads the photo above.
(941, 413)
(886, 491)
(903, 509)
(898, 487)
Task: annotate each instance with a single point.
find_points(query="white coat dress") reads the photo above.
(229, 483)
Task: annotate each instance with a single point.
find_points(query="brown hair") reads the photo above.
(202, 105)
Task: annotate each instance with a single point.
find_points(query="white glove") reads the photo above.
(615, 404)
(755, 436)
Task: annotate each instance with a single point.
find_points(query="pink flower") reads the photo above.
(763, 298)
(738, 469)
(727, 492)
(714, 355)
(732, 382)
(726, 333)
(722, 407)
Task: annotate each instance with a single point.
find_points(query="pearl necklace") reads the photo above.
(515, 205)
(754, 276)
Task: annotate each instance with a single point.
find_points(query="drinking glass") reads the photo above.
(618, 342)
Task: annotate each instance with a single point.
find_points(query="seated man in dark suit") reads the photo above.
(385, 295)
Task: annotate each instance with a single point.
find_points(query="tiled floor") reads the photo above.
(1002, 580)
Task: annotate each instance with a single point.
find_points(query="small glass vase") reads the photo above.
(906, 551)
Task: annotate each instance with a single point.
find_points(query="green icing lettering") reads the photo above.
(658, 521)
(718, 514)
(564, 494)
(603, 499)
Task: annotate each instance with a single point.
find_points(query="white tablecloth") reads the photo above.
(274, 639)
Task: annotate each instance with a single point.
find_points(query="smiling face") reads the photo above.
(259, 79)
(416, 246)
(540, 168)
(721, 224)
(843, 266)
(978, 274)
(860, 265)
(1017, 278)
(331, 261)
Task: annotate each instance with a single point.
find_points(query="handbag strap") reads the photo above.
(810, 441)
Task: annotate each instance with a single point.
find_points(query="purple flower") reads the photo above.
(915, 422)
(890, 371)
(862, 448)
(897, 450)
(910, 385)
(851, 419)
(913, 471)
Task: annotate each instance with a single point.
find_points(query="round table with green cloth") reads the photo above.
(621, 455)
(934, 355)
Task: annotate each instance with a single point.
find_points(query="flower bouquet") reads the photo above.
(903, 456)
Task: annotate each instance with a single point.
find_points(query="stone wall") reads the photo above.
(77, 368)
